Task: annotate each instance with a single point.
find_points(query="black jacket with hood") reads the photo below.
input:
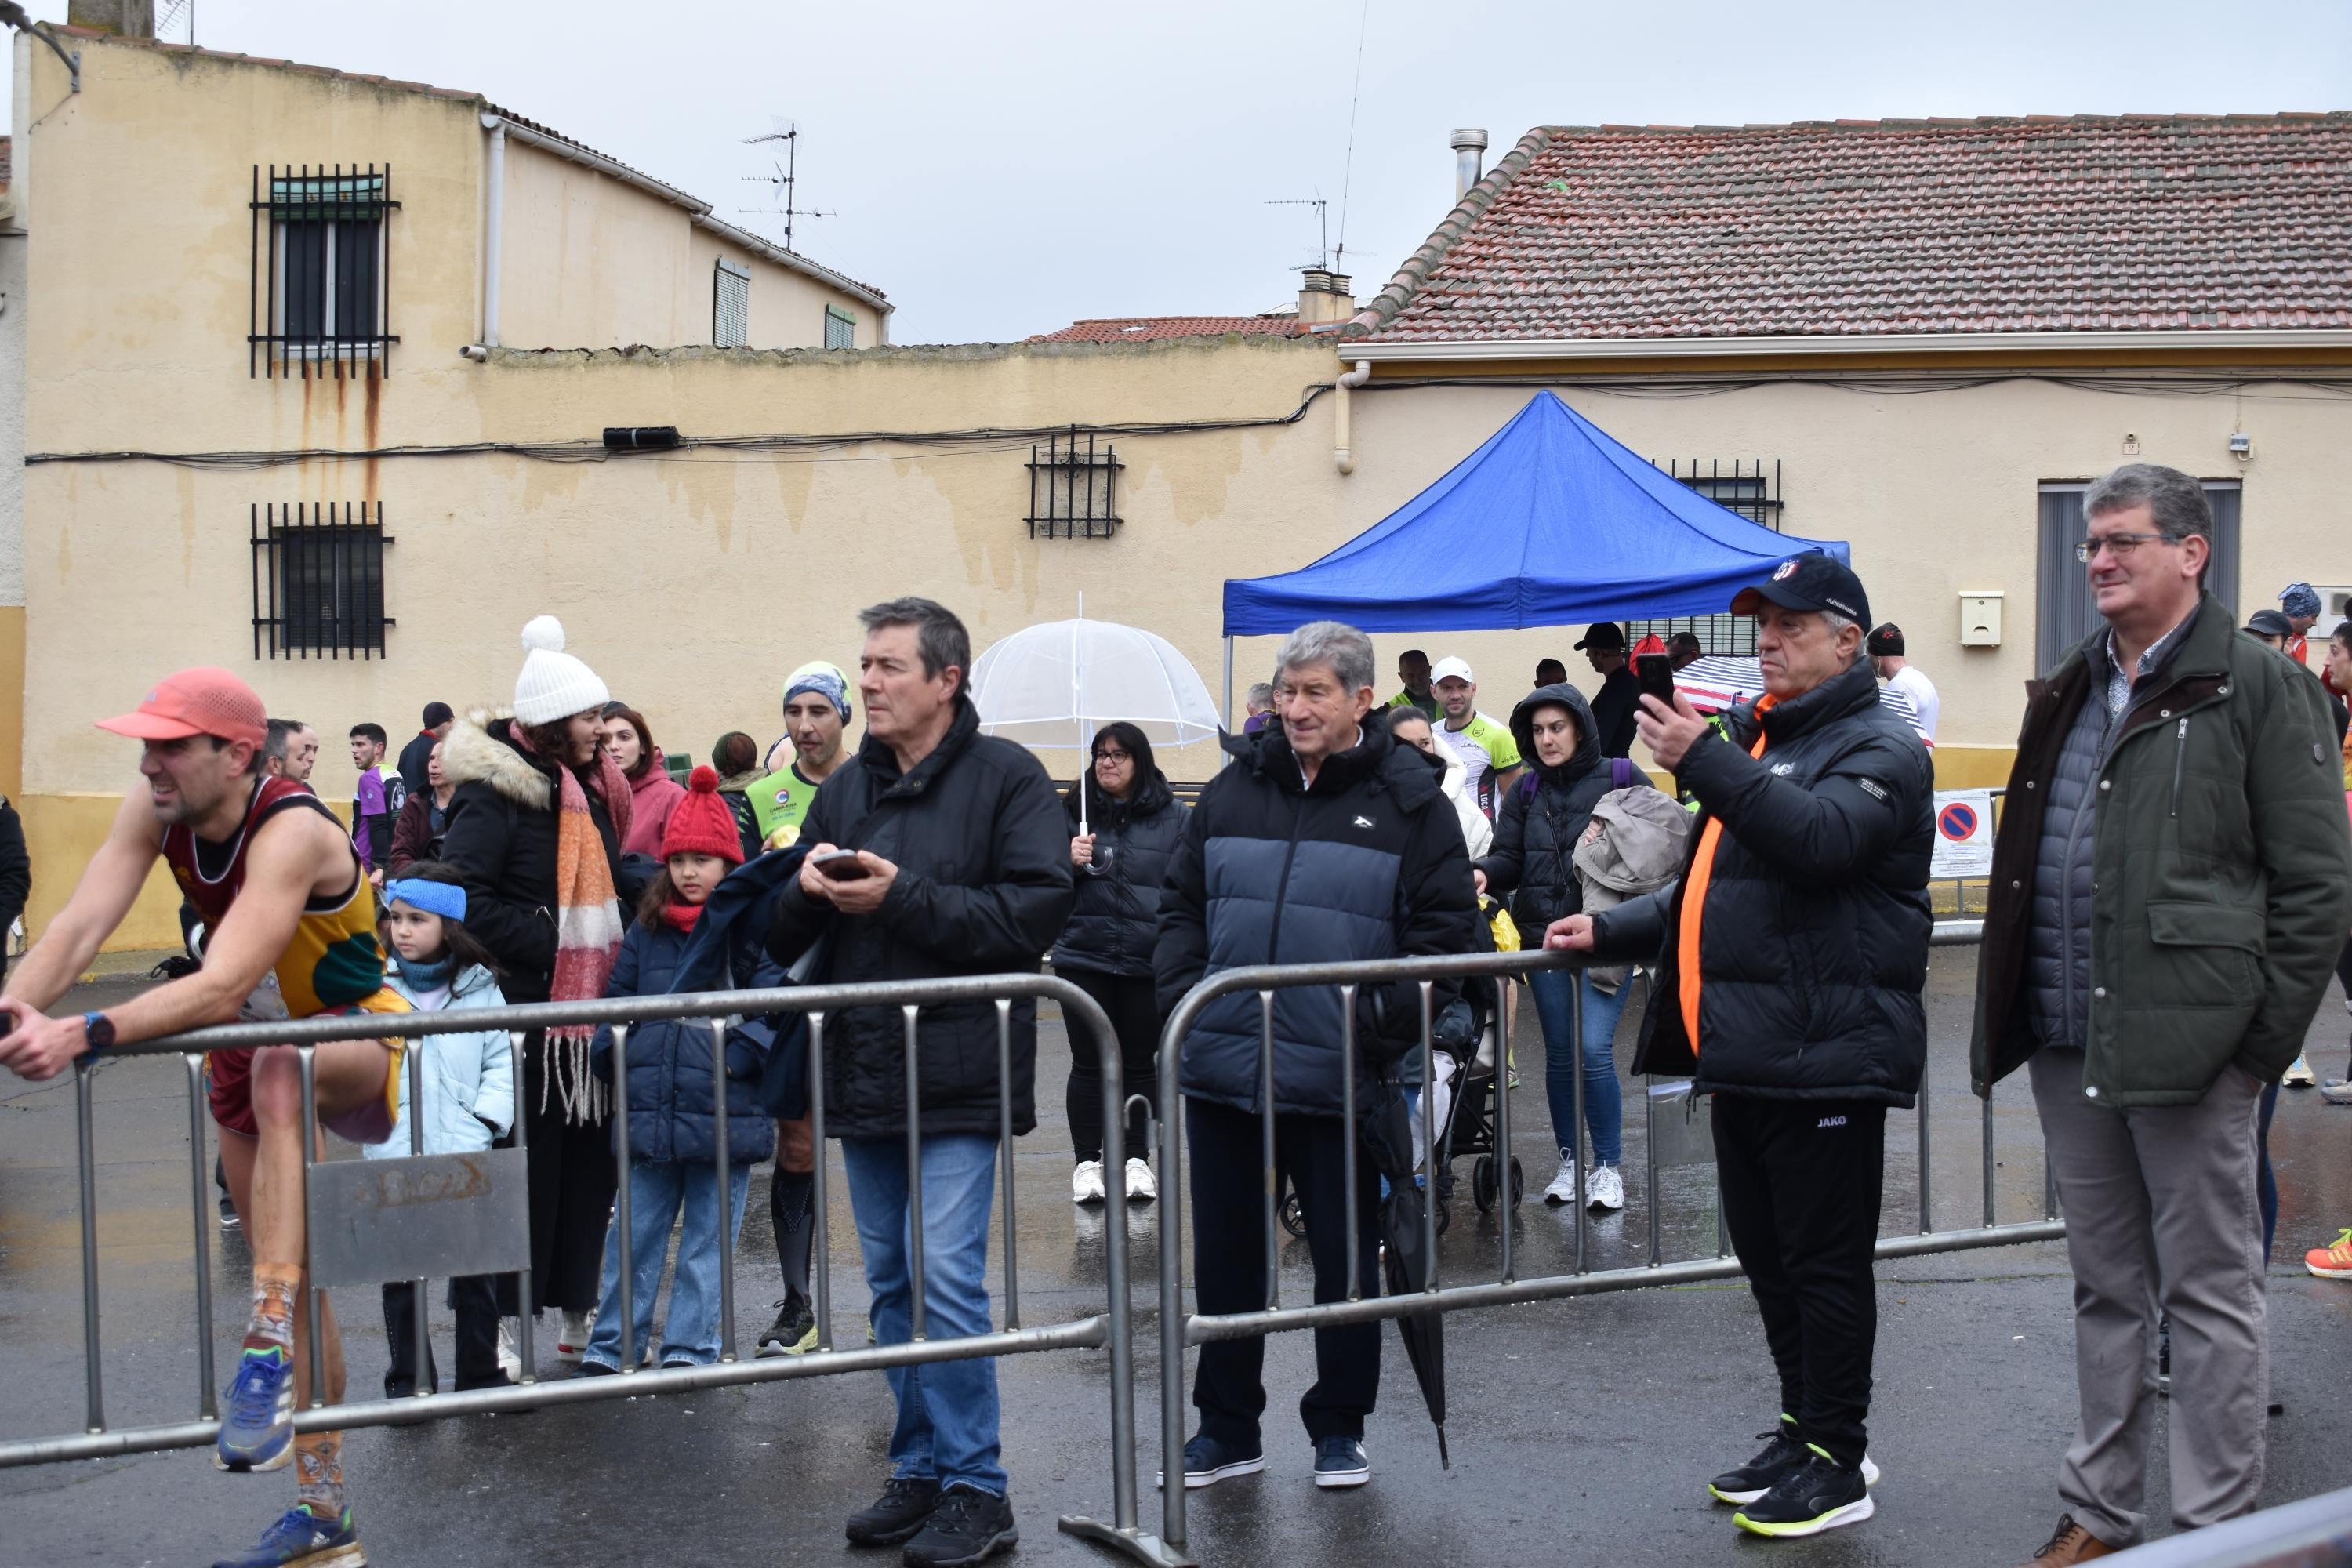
(500, 840)
(1544, 814)
(1367, 864)
(1114, 924)
(983, 888)
(1813, 946)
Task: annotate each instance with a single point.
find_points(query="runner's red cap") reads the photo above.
(204, 701)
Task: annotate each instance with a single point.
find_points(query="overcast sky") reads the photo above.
(1001, 169)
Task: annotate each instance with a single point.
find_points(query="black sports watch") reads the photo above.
(98, 1029)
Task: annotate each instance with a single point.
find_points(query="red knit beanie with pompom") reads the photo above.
(701, 824)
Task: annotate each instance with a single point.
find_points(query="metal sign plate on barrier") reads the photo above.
(433, 1216)
(1682, 1125)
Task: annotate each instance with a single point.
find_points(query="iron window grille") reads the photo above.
(1746, 489)
(840, 328)
(322, 286)
(318, 581)
(1073, 490)
(730, 306)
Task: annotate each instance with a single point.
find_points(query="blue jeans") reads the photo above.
(658, 1191)
(947, 1410)
(1556, 991)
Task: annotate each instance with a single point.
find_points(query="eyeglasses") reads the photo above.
(1112, 757)
(2118, 544)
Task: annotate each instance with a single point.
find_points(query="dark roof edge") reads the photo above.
(1383, 306)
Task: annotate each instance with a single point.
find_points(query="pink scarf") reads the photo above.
(588, 925)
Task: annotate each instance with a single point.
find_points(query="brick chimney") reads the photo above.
(1324, 296)
(129, 18)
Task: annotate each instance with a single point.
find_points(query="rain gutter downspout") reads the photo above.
(1343, 456)
(493, 247)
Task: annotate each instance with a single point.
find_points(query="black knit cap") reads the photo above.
(1886, 641)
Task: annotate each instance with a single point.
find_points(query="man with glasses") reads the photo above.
(2170, 886)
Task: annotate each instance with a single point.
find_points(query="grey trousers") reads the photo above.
(2160, 1216)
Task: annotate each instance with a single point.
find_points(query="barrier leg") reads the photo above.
(1114, 1160)
(311, 1158)
(1429, 1140)
(1171, 1283)
(726, 1183)
(423, 1348)
(1265, 1136)
(1347, 1121)
(627, 1279)
(96, 1410)
(1987, 1163)
(821, 1220)
(527, 1320)
(1925, 1189)
(207, 1397)
(914, 1175)
(1575, 1134)
(1508, 1206)
(1650, 1165)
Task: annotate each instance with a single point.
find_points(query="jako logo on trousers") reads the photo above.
(1830, 1121)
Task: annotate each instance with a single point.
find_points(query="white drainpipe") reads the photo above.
(494, 233)
(1342, 455)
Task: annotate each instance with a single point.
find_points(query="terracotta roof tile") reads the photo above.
(2035, 224)
(1147, 328)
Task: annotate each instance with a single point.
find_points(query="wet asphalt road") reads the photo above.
(1581, 1431)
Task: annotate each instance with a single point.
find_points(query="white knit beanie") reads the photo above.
(553, 684)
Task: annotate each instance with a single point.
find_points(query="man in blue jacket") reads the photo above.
(1790, 961)
(1326, 841)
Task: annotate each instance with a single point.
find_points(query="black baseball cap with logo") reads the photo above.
(1809, 582)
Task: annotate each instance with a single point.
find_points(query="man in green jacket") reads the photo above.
(2171, 883)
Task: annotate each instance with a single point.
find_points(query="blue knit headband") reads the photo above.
(446, 900)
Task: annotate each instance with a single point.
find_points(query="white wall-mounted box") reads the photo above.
(1981, 620)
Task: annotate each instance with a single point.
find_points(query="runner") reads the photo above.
(816, 710)
(293, 924)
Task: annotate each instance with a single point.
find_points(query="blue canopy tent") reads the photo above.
(1551, 522)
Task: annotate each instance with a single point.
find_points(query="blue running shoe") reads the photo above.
(299, 1538)
(257, 1432)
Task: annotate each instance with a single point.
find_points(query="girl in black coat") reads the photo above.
(1133, 822)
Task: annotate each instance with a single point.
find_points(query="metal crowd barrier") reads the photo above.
(1179, 1330)
(1112, 1328)
(2315, 1533)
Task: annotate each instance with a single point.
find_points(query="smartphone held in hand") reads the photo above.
(841, 866)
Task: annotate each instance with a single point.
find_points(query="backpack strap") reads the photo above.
(1621, 773)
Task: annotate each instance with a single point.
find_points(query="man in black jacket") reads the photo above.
(1790, 961)
(16, 875)
(935, 851)
(1326, 841)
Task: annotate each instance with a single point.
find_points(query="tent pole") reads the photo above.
(1229, 685)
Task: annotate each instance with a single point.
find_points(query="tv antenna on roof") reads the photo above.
(783, 180)
(1322, 224)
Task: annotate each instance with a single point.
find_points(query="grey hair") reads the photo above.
(939, 635)
(1347, 651)
(2176, 503)
(1260, 693)
(1834, 624)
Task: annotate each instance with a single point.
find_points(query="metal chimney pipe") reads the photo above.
(1469, 147)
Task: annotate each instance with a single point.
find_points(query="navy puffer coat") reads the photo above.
(669, 1091)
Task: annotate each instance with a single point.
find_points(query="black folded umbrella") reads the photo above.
(1387, 1136)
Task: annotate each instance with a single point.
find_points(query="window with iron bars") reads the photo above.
(1754, 493)
(322, 289)
(840, 328)
(1074, 489)
(731, 308)
(318, 581)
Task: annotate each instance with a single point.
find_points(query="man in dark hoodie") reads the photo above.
(1790, 958)
(1326, 841)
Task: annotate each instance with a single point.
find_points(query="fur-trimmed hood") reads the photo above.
(479, 748)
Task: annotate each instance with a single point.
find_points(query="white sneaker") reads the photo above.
(509, 1357)
(1141, 1187)
(574, 1337)
(1563, 1186)
(1604, 1190)
(2300, 1076)
(1086, 1182)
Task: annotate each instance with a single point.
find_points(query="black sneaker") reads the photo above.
(228, 1213)
(794, 1330)
(906, 1501)
(967, 1527)
(1781, 1457)
(1822, 1495)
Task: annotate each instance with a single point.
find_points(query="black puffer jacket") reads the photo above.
(1813, 946)
(983, 888)
(1115, 924)
(500, 840)
(1367, 864)
(1545, 813)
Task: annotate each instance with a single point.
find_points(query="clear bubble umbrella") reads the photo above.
(1051, 687)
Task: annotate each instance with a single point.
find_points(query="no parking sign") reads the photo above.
(1963, 834)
